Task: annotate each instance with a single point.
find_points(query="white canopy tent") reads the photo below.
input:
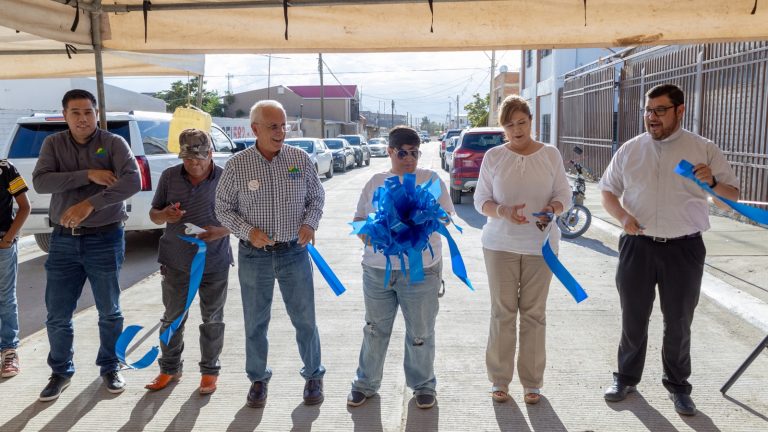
(264, 26)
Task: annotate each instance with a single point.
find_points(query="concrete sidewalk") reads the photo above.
(581, 347)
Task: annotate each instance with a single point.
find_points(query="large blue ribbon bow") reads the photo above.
(558, 269)
(196, 275)
(405, 216)
(685, 169)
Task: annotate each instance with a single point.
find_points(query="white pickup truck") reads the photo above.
(147, 134)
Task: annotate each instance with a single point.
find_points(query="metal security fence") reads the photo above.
(726, 87)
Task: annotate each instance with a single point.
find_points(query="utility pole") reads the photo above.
(449, 114)
(392, 117)
(269, 73)
(229, 84)
(458, 117)
(322, 95)
(490, 94)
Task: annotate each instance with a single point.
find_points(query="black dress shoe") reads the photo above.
(683, 403)
(257, 395)
(313, 391)
(114, 382)
(618, 391)
(56, 385)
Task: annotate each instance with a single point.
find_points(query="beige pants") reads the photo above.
(517, 283)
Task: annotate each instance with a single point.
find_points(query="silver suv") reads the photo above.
(145, 132)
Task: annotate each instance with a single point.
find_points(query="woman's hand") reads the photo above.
(513, 214)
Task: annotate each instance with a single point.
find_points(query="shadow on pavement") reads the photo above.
(470, 216)
(146, 408)
(422, 420)
(247, 419)
(81, 405)
(367, 418)
(700, 422)
(746, 408)
(509, 417)
(651, 418)
(303, 416)
(595, 245)
(543, 417)
(189, 412)
(19, 423)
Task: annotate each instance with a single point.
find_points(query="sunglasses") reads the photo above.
(401, 154)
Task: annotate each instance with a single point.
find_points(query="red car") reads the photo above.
(468, 156)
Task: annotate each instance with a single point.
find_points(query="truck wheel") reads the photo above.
(455, 196)
(43, 241)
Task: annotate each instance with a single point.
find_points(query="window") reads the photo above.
(546, 122)
(528, 58)
(29, 138)
(544, 53)
(154, 134)
(481, 141)
(221, 142)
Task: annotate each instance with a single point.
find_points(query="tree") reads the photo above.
(181, 93)
(477, 110)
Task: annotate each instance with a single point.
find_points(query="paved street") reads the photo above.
(581, 347)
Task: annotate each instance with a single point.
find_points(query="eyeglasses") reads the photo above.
(277, 128)
(659, 111)
(401, 154)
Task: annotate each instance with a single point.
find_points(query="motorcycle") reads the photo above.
(575, 221)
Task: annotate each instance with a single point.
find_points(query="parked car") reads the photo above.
(449, 153)
(378, 147)
(343, 154)
(444, 143)
(243, 143)
(360, 145)
(467, 157)
(318, 154)
(145, 132)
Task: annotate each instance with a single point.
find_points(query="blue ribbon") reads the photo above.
(685, 169)
(560, 272)
(405, 216)
(196, 275)
(325, 270)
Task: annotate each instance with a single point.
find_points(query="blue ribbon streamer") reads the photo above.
(405, 216)
(560, 272)
(196, 275)
(325, 270)
(685, 169)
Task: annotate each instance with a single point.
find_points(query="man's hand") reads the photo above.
(306, 235)
(513, 214)
(259, 238)
(704, 173)
(102, 177)
(173, 213)
(365, 239)
(631, 225)
(76, 214)
(213, 233)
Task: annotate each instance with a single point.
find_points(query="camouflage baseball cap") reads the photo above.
(194, 144)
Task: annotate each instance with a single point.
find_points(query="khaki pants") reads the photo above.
(517, 283)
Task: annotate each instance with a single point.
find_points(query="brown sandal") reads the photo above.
(499, 395)
(532, 398)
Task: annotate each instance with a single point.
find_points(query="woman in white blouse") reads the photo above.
(517, 179)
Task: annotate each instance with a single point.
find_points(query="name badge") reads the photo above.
(254, 185)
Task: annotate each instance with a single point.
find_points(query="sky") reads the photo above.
(421, 84)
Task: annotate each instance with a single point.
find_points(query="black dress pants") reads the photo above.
(676, 266)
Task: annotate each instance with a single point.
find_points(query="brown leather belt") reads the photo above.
(79, 231)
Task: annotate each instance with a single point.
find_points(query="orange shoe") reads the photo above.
(162, 380)
(208, 384)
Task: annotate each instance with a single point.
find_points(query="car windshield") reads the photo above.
(353, 139)
(334, 144)
(154, 134)
(377, 141)
(482, 141)
(306, 145)
(29, 139)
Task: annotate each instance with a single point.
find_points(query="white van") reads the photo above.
(147, 134)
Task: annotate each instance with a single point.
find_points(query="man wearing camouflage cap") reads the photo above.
(186, 194)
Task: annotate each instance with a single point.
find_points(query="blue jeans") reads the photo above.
(9, 311)
(258, 269)
(71, 259)
(420, 305)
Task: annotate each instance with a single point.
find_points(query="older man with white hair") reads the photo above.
(271, 198)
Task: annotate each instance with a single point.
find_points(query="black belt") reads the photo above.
(79, 231)
(664, 240)
(277, 247)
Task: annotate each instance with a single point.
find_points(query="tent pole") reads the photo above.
(96, 39)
